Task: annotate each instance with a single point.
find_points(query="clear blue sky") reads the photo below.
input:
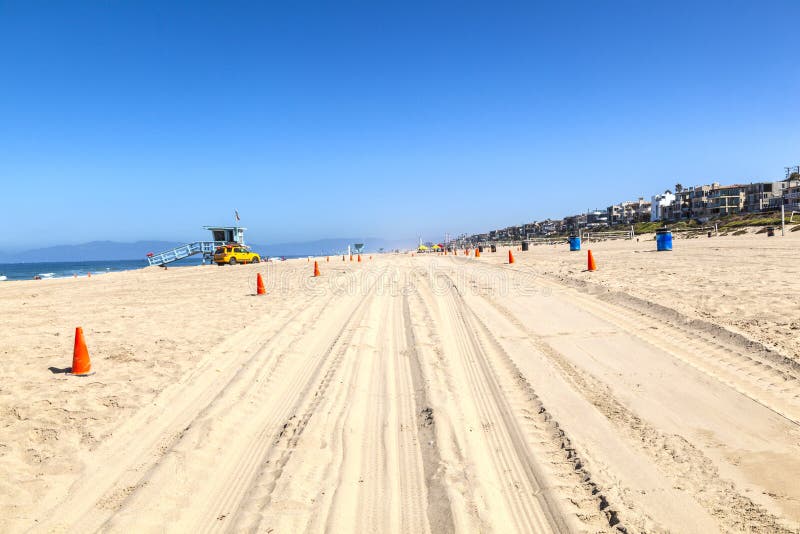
(147, 120)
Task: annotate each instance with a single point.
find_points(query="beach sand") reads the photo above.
(412, 394)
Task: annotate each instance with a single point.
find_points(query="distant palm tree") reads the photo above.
(678, 188)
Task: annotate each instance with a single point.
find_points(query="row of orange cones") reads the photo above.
(82, 365)
(328, 258)
(262, 290)
(592, 265)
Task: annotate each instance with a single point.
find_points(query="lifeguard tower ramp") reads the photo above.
(221, 235)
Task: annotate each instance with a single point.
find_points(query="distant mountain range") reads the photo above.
(111, 250)
(93, 251)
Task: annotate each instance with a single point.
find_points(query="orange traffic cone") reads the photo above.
(81, 364)
(477, 253)
(327, 259)
(316, 269)
(359, 258)
(510, 257)
(260, 289)
(351, 257)
(592, 264)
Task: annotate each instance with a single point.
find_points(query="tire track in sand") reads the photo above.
(121, 466)
(675, 457)
(747, 374)
(206, 471)
(254, 514)
(379, 484)
(357, 456)
(439, 513)
(508, 496)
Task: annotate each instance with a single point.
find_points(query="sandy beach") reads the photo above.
(406, 393)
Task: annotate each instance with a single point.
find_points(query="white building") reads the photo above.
(658, 203)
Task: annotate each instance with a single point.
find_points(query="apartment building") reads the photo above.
(691, 203)
(764, 196)
(596, 218)
(791, 195)
(726, 200)
(658, 203)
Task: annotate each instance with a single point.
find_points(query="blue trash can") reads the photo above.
(663, 240)
(574, 243)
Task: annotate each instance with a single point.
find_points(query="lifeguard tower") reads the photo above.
(227, 234)
(358, 248)
(220, 235)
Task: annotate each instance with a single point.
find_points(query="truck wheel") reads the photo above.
(232, 261)
(256, 259)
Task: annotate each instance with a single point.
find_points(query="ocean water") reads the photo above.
(64, 269)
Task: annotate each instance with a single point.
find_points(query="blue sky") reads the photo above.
(140, 120)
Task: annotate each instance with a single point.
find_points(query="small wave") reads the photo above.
(47, 275)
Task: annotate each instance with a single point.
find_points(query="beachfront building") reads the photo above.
(549, 226)
(638, 211)
(691, 203)
(514, 233)
(658, 204)
(699, 202)
(726, 200)
(629, 212)
(703, 202)
(530, 230)
(614, 213)
(681, 207)
(574, 222)
(764, 196)
(791, 195)
(595, 218)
